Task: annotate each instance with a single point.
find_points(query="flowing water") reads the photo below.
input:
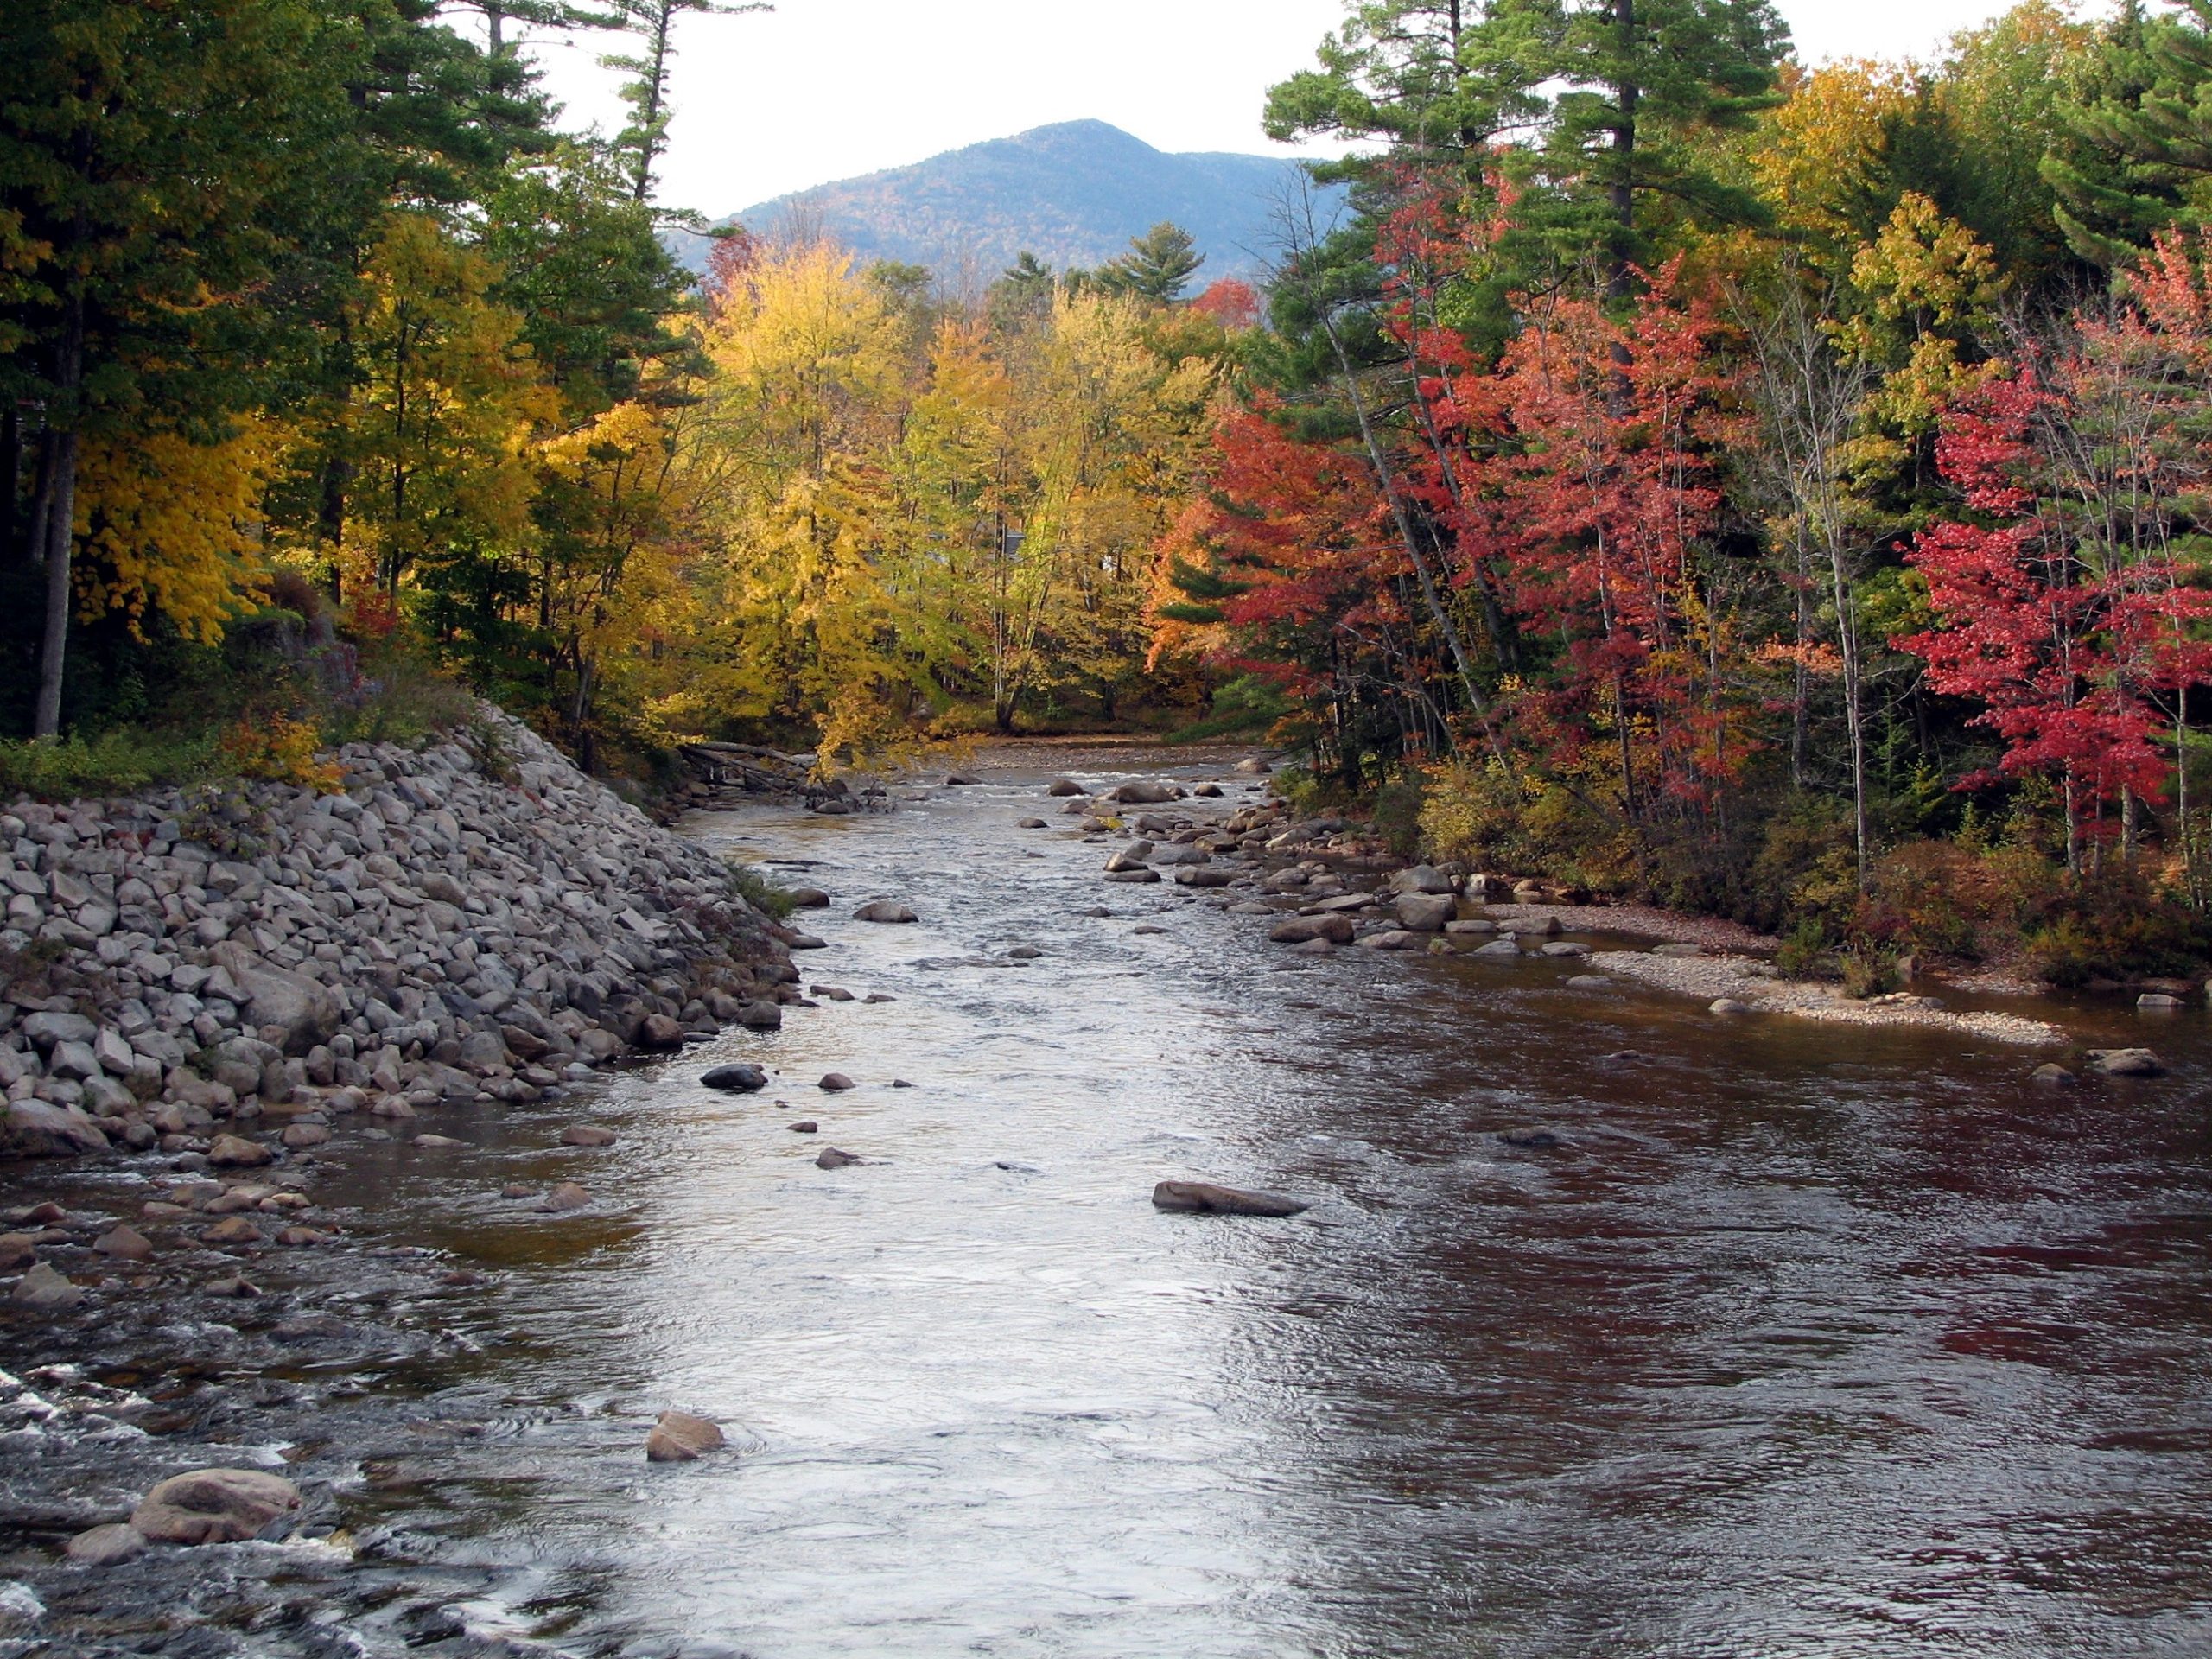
(1768, 1339)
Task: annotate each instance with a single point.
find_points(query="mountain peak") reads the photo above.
(1073, 193)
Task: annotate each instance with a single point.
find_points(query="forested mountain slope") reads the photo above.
(1073, 193)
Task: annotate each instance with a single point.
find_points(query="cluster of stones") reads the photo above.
(1306, 870)
(441, 929)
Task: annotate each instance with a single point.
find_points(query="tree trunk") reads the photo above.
(60, 522)
(655, 82)
(11, 479)
(41, 499)
(1387, 481)
(330, 519)
(53, 644)
(1623, 193)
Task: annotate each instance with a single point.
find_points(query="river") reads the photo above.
(1765, 1338)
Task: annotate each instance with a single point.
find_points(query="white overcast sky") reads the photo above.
(824, 89)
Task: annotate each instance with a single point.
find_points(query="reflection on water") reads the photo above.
(1772, 1338)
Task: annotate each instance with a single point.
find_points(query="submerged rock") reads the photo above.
(108, 1546)
(739, 1079)
(586, 1135)
(41, 1286)
(1530, 1140)
(680, 1437)
(831, 1158)
(2127, 1062)
(1204, 1196)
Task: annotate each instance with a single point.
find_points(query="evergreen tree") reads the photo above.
(1398, 72)
(652, 24)
(1631, 94)
(1022, 294)
(1158, 266)
(2143, 126)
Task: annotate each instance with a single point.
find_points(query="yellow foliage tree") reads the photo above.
(802, 414)
(440, 433)
(1108, 431)
(1824, 160)
(166, 524)
(891, 524)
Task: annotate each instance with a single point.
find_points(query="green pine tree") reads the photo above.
(1158, 266)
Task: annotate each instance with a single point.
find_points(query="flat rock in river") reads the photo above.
(213, 1506)
(1141, 793)
(1205, 1197)
(107, 1546)
(1303, 930)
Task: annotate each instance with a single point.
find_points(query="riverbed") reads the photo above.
(1614, 1325)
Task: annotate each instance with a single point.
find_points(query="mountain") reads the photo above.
(1073, 193)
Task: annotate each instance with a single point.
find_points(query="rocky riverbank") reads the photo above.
(225, 979)
(1328, 886)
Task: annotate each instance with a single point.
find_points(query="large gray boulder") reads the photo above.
(1421, 878)
(40, 1129)
(2126, 1062)
(307, 1014)
(1425, 912)
(1142, 793)
(45, 1029)
(1301, 930)
(1176, 853)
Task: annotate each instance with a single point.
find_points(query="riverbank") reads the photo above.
(469, 921)
(1329, 885)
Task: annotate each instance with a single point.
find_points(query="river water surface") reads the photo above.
(1777, 1340)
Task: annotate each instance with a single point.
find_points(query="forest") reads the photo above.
(1681, 474)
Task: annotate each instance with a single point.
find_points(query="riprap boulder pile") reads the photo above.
(465, 921)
